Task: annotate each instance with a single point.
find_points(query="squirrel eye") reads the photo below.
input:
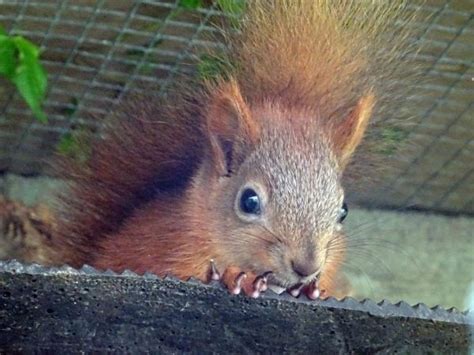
(343, 212)
(250, 202)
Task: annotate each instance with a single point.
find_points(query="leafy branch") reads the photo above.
(19, 63)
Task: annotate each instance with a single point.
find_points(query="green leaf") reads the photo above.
(30, 77)
(19, 62)
(8, 54)
(190, 4)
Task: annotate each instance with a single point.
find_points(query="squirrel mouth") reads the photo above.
(277, 289)
(311, 290)
(278, 286)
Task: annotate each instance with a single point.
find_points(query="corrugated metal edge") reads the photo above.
(381, 309)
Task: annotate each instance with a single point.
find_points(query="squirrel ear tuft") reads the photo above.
(230, 127)
(350, 132)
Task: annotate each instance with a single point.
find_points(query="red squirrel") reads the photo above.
(240, 178)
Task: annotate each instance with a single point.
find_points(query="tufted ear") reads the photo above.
(349, 133)
(230, 126)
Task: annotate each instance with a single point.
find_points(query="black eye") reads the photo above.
(250, 202)
(343, 212)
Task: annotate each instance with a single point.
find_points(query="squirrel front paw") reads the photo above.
(251, 284)
(237, 280)
(311, 290)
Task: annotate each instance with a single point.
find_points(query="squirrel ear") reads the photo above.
(230, 127)
(350, 132)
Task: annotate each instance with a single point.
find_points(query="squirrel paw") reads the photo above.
(312, 290)
(251, 284)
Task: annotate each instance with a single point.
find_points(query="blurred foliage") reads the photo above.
(19, 63)
(190, 4)
(229, 7)
(233, 9)
(391, 137)
(71, 108)
(76, 145)
(211, 67)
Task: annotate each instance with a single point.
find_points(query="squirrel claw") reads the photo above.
(252, 285)
(215, 275)
(295, 291)
(238, 283)
(260, 284)
(312, 291)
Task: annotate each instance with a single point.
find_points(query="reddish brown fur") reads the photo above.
(348, 136)
(146, 147)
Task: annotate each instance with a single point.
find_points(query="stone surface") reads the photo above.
(69, 311)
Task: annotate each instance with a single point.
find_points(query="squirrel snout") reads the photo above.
(304, 268)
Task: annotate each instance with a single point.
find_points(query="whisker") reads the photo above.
(340, 248)
(346, 265)
(279, 239)
(258, 237)
(381, 244)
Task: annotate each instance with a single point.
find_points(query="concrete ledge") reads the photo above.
(64, 310)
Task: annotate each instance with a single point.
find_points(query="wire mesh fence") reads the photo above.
(95, 52)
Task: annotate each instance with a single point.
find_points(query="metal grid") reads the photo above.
(436, 170)
(97, 51)
(94, 53)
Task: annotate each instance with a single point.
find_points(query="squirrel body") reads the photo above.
(246, 171)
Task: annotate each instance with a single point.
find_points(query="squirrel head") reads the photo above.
(272, 187)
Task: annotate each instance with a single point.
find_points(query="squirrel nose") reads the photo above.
(303, 269)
